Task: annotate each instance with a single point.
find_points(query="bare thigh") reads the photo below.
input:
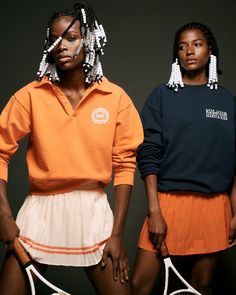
(103, 281)
(203, 273)
(146, 270)
(13, 280)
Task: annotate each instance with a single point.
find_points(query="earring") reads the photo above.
(213, 78)
(175, 77)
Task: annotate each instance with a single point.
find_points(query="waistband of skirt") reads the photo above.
(44, 188)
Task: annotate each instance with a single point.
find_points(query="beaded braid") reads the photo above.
(93, 41)
(212, 67)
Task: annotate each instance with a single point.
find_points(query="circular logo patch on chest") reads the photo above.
(100, 116)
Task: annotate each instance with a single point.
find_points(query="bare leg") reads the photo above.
(146, 270)
(13, 280)
(103, 281)
(203, 274)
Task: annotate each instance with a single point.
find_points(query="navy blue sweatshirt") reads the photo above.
(189, 139)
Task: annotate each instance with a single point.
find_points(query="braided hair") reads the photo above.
(212, 68)
(93, 41)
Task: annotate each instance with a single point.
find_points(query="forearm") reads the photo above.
(8, 227)
(4, 203)
(152, 193)
(233, 197)
(122, 200)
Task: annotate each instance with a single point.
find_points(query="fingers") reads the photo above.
(126, 268)
(232, 236)
(120, 266)
(115, 268)
(157, 240)
(164, 250)
(123, 269)
(104, 258)
(9, 245)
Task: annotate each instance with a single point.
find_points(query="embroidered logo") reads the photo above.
(215, 114)
(100, 116)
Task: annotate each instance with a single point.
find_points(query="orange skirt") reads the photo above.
(196, 223)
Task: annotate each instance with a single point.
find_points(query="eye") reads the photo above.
(71, 39)
(198, 44)
(182, 47)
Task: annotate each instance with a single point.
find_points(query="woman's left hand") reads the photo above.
(115, 250)
(232, 234)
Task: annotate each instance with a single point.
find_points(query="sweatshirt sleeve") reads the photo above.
(14, 125)
(128, 136)
(150, 152)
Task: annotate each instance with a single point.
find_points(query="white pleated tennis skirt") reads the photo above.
(68, 229)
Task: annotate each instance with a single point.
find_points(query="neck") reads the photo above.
(73, 80)
(195, 78)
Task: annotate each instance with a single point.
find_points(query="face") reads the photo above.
(64, 53)
(193, 50)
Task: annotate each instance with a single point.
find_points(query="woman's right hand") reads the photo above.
(8, 230)
(157, 229)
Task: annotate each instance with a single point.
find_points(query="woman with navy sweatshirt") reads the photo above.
(187, 162)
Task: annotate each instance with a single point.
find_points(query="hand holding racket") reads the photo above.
(30, 269)
(189, 290)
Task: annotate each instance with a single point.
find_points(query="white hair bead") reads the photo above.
(175, 80)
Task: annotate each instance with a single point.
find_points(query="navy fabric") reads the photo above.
(189, 139)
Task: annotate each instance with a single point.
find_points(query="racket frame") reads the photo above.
(169, 265)
(25, 261)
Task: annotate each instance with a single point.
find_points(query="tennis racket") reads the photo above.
(30, 269)
(188, 289)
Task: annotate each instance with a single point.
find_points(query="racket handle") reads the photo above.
(164, 250)
(20, 253)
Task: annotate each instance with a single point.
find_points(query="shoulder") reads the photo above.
(225, 92)
(117, 92)
(158, 93)
(26, 94)
(112, 87)
(27, 89)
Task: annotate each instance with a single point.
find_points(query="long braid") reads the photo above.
(93, 41)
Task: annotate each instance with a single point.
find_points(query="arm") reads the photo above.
(156, 223)
(8, 228)
(128, 136)
(14, 125)
(114, 247)
(232, 235)
(149, 158)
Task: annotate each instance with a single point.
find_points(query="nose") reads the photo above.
(190, 50)
(61, 46)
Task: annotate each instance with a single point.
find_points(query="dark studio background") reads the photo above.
(138, 57)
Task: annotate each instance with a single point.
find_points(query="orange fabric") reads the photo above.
(62, 250)
(196, 224)
(71, 149)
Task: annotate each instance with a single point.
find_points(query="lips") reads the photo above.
(64, 59)
(190, 61)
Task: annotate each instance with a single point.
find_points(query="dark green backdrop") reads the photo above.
(137, 57)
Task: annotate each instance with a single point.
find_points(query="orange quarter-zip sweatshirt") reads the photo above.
(71, 149)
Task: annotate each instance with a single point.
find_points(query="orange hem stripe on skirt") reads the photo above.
(196, 223)
(62, 250)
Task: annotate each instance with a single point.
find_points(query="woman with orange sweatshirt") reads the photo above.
(82, 128)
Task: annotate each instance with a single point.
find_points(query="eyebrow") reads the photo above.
(74, 32)
(198, 39)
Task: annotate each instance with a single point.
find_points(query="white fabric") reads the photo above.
(66, 229)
